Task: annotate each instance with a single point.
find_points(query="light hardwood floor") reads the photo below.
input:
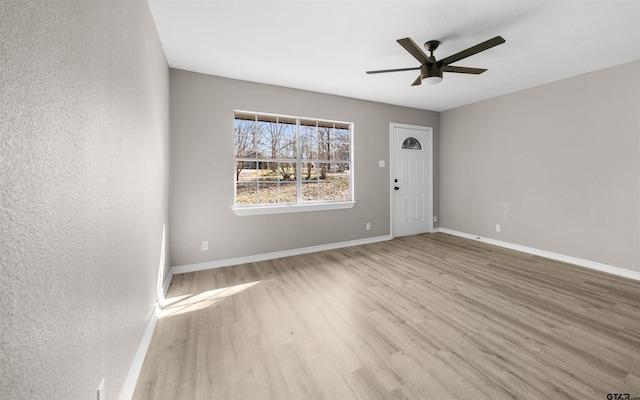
(425, 317)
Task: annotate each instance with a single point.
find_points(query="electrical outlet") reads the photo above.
(368, 226)
(101, 394)
(435, 218)
(497, 228)
(381, 163)
(205, 245)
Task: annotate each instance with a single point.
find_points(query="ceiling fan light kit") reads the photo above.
(431, 70)
(432, 80)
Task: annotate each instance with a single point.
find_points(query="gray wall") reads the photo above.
(557, 166)
(83, 193)
(202, 169)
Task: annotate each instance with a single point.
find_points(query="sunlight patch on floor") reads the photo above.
(199, 301)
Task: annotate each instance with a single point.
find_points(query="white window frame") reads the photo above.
(300, 206)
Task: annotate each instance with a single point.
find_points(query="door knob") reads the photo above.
(396, 188)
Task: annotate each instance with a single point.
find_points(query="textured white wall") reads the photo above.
(83, 192)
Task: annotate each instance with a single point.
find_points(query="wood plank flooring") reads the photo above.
(425, 317)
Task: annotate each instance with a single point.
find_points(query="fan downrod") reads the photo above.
(432, 45)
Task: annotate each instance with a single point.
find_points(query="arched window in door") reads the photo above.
(411, 143)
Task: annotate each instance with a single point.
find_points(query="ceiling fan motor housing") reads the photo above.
(431, 70)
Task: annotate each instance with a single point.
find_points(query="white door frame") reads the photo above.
(429, 131)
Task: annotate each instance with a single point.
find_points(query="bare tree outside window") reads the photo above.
(244, 143)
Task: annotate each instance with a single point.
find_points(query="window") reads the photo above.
(411, 143)
(290, 161)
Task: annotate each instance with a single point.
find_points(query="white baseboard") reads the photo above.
(138, 360)
(136, 366)
(181, 269)
(165, 288)
(547, 254)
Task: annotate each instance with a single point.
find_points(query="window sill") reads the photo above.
(291, 208)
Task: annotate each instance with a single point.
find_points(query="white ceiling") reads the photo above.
(325, 46)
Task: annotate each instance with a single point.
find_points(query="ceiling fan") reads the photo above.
(431, 70)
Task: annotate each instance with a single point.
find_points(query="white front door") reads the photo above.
(411, 182)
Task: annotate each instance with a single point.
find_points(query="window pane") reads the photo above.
(341, 181)
(244, 146)
(324, 133)
(340, 134)
(326, 190)
(309, 151)
(323, 170)
(288, 192)
(263, 148)
(248, 172)
(340, 170)
(340, 151)
(246, 192)
(267, 192)
(308, 142)
(287, 140)
(310, 191)
(411, 143)
(269, 172)
(287, 171)
(244, 127)
(323, 144)
(309, 171)
(324, 151)
(243, 141)
(267, 139)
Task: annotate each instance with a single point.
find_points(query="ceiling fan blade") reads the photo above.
(392, 70)
(473, 50)
(417, 82)
(411, 46)
(463, 70)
